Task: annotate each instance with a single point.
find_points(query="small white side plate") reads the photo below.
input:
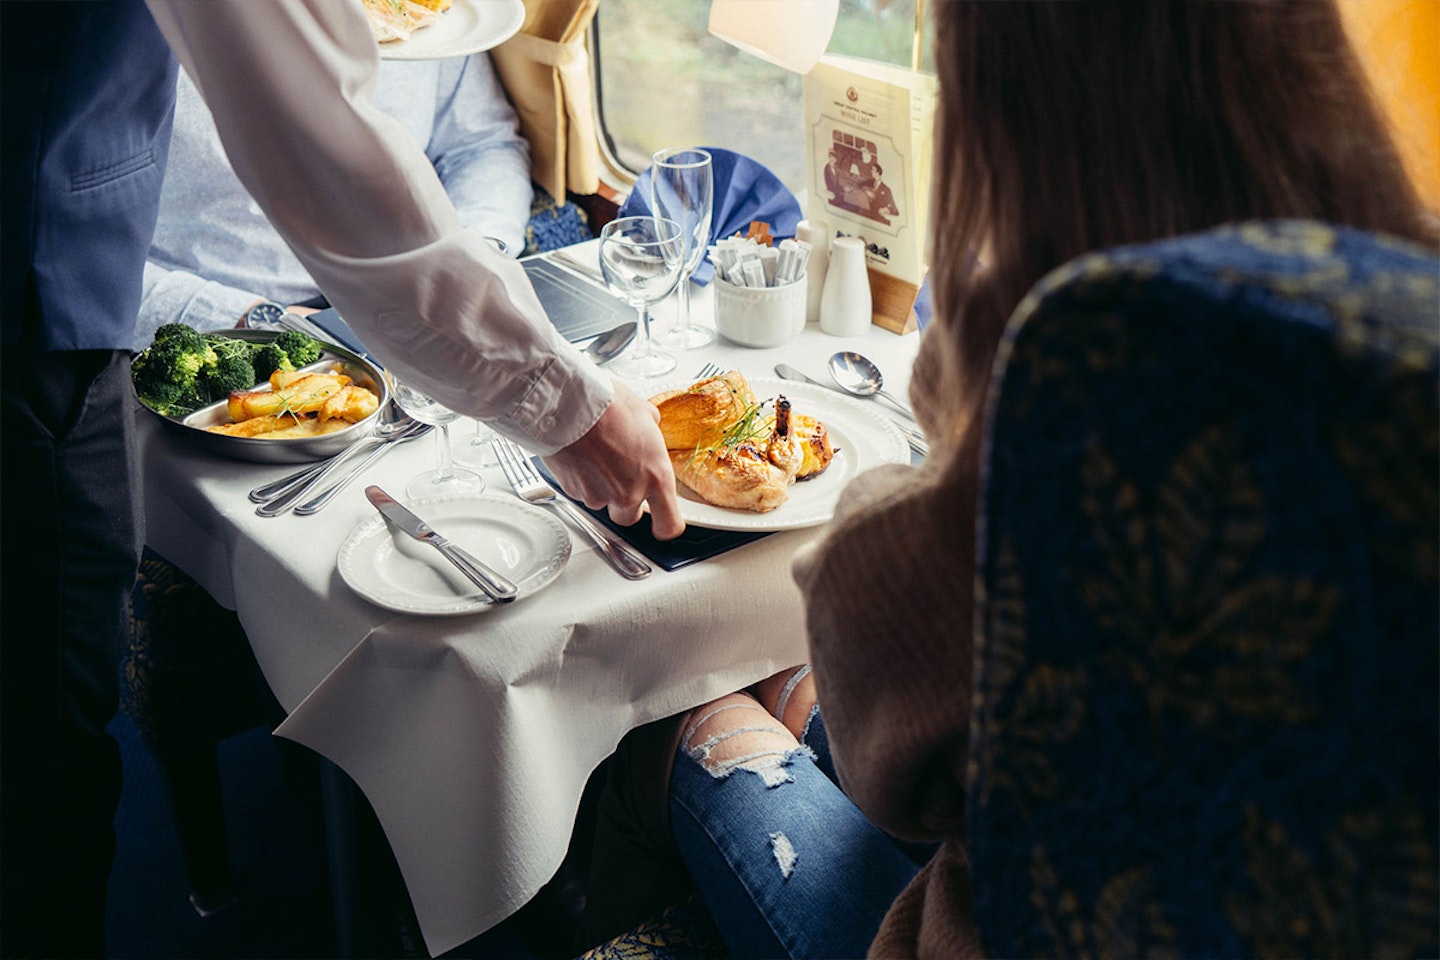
(397, 572)
(469, 26)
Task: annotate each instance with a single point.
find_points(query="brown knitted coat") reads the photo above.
(889, 603)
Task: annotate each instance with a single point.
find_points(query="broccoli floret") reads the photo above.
(299, 348)
(167, 374)
(185, 359)
(233, 371)
(163, 395)
(230, 346)
(188, 349)
(291, 350)
(268, 359)
(234, 367)
(181, 332)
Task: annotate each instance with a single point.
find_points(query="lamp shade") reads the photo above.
(789, 33)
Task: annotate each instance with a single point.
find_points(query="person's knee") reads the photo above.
(736, 733)
(789, 696)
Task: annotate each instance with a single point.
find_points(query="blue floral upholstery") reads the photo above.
(554, 224)
(684, 931)
(189, 678)
(1205, 720)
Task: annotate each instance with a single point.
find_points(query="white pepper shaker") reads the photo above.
(815, 233)
(845, 303)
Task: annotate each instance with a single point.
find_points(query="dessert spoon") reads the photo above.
(858, 375)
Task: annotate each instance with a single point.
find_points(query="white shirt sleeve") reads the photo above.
(288, 83)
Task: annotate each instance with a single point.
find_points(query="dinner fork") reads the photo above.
(527, 483)
(709, 370)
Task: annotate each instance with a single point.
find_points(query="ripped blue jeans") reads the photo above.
(787, 865)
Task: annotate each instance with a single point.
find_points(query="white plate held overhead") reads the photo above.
(469, 26)
(862, 437)
(392, 570)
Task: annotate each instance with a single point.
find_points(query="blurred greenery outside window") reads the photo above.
(664, 81)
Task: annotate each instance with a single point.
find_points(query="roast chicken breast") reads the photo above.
(698, 415)
(750, 474)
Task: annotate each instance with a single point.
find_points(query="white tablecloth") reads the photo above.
(472, 737)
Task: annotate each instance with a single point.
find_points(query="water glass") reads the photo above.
(640, 258)
(445, 478)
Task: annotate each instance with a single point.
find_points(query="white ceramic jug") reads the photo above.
(845, 303)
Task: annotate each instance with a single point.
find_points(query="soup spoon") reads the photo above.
(858, 375)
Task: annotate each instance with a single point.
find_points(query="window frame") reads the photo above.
(617, 179)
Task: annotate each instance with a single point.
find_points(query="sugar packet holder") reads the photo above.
(745, 263)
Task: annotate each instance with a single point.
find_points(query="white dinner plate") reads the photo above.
(395, 571)
(469, 26)
(863, 439)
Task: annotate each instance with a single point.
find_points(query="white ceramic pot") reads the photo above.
(759, 316)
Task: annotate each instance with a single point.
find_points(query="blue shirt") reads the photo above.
(215, 254)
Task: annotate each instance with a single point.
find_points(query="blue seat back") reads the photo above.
(1206, 716)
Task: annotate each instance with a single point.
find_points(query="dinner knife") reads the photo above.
(496, 587)
(912, 436)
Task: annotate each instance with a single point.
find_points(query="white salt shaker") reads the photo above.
(815, 233)
(845, 302)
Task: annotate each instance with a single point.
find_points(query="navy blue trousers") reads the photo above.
(70, 536)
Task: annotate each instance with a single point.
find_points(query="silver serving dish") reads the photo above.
(294, 449)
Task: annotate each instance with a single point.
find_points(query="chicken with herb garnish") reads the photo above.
(735, 452)
(751, 467)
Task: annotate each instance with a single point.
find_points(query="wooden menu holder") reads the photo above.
(892, 302)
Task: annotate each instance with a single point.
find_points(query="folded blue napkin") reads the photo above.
(745, 191)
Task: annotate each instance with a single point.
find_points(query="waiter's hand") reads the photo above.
(620, 464)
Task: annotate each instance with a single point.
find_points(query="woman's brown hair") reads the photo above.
(1066, 127)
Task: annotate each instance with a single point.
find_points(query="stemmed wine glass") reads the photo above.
(682, 188)
(640, 258)
(445, 478)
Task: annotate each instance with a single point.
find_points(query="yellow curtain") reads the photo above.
(545, 69)
(1398, 42)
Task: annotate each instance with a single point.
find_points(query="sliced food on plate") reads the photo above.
(738, 452)
(297, 405)
(392, 20)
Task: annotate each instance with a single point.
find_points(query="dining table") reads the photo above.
(472, 736)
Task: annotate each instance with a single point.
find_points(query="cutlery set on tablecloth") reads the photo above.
(290, 492)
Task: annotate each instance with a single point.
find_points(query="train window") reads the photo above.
(663, 80)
